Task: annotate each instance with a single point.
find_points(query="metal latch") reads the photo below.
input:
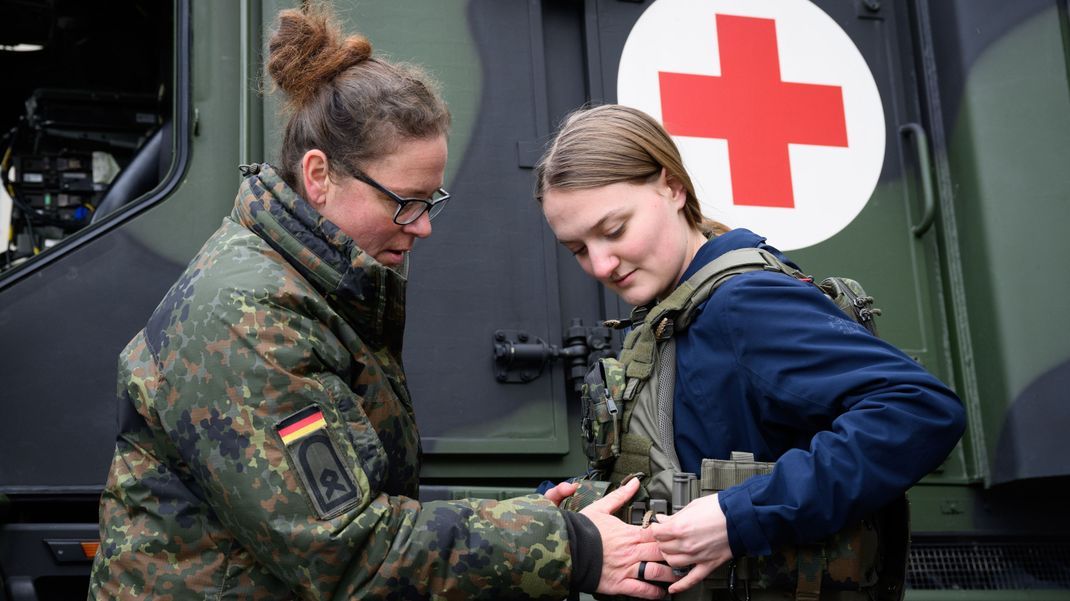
(520, 357)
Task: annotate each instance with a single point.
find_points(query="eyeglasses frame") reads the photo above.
(402, 202)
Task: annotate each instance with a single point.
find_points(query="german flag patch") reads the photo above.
(307, 421)
(316, 460)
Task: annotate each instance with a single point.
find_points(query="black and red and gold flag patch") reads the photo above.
(316, 460)
(301, 424)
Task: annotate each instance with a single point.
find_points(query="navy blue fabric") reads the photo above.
(772, 366)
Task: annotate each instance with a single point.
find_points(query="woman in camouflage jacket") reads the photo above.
(267, 445)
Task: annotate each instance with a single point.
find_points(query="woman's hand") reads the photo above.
(624, 547)
(696, 536)
(561, 492)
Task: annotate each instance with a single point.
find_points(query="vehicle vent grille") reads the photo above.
(995, 565)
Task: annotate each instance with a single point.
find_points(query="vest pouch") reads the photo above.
(602, 411)
(852, 299)
(864, 561)
(843, 567)
(846, 561)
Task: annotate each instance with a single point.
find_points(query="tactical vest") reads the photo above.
(627, 426)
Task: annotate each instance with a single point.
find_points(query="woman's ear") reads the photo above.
(676, 192)
(315, 175)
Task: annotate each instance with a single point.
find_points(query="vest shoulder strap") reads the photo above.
(663, 320)
(707, 280)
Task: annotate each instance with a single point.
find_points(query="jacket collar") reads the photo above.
(728, 241)
(368, 295)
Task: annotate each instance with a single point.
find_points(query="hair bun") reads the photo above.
(307, 50)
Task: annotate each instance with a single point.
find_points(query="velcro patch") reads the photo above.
(314, 456)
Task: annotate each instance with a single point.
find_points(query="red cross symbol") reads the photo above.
(754, 110)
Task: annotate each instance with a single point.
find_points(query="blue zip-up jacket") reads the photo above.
(772, 366)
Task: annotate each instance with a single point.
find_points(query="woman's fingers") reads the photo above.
(622, 551)
(616, 499)
(696, 537)
(561, 492)
(643, 590)
(693, 577)
(652, 571)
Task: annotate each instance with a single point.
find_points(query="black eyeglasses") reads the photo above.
(409, 209)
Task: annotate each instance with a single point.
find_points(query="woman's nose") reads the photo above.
(421, 228)
(603, 263)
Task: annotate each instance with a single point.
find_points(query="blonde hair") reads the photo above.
(611, 143)
(341, 99)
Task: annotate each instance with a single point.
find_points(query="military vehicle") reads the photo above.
(124, 121)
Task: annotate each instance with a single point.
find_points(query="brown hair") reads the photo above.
(611, 143)
(340, 99)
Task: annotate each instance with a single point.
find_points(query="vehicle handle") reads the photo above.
(921, 143)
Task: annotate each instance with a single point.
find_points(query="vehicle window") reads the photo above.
(85, 103)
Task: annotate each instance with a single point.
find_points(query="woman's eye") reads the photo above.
(615, 233)
(578, 252)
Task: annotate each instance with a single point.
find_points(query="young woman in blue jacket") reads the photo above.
(769, 365)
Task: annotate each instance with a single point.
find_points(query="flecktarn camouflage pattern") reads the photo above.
(601, 419)
(267, 445)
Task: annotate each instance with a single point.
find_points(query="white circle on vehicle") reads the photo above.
(772, 105)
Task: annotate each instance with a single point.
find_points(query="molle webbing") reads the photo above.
(634, 457)
(722, 474)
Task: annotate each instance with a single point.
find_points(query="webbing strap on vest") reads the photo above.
(674, 313)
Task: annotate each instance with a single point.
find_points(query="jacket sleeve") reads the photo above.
(232, 383)
(873, 421)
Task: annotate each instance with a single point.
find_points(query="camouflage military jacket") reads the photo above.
(267, 444)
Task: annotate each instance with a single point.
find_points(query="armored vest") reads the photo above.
(627, 425)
